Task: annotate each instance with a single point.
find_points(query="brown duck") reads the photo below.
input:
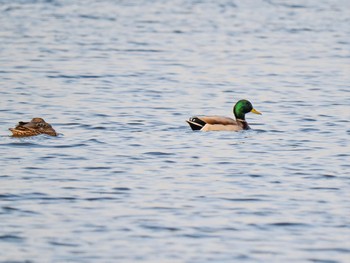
(35, 127)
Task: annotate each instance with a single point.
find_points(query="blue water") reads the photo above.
(127, 180)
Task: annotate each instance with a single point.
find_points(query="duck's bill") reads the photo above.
(255, 111)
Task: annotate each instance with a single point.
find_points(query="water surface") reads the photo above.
(127, 180)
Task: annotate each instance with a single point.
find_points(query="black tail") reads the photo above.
(196, 123)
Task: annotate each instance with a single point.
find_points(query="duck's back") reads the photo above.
(214, 120)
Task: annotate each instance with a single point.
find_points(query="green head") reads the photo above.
(242, 107)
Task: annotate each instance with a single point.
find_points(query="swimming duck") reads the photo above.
(35, 127)
(218, 123)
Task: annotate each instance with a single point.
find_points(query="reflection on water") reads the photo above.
(126, 179)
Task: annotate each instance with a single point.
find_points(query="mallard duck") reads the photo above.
(35, 127)
(218, 123)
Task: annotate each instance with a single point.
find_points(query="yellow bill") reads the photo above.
(255, 111)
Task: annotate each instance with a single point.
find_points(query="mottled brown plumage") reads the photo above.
(35, 127)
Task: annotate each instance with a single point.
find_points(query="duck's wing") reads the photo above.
(34, 125)
(21, 123)
(24, 126)
(218, 120)
(29, 125)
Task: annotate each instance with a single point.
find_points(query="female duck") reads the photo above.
(218, 123)
(35, 127)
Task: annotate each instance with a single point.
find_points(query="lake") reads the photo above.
(127, 180)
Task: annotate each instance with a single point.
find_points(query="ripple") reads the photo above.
(242, 199)
(325, 188)
(63, 244)
(11, 238)
(159, 153)
(8, 209)
(335, 249)
(121, 189)
(8, 196)
(97, 168)
(200, 236)
(309, 130)
(21, 144)
(107, 198)
(289, 224)
(138, 50)
(317, 260)
(78, 76)
(160, 228)
(69, 146)
(97, 17)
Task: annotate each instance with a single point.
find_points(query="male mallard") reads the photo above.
(218, 123)
(35, 127)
